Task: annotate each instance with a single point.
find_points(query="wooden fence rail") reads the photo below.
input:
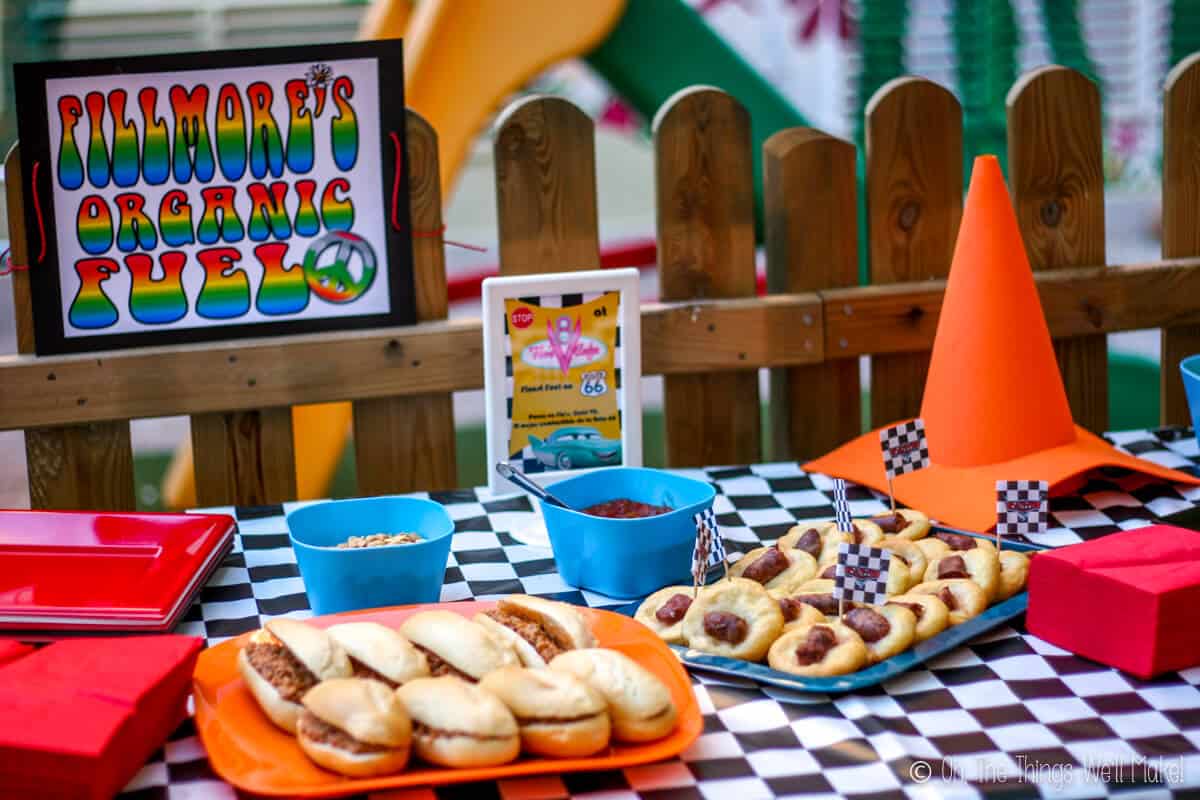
(710, 335)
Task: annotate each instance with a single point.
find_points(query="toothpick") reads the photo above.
(892, 496)
(997, 538)
(841, 605)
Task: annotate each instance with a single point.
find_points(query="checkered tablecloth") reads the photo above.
(1008, 714)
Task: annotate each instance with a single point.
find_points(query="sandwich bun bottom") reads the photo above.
(354, 765)
(283, 713)
(575, 739)
(645, 729)
(463, 750)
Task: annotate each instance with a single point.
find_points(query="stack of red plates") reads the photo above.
(99, 571)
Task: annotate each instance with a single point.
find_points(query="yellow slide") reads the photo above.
(461, 61)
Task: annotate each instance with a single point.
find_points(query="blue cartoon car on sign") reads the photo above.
(576, 447)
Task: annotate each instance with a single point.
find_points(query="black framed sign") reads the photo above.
(216, 195)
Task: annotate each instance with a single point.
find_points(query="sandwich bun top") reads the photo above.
(366, 709)
(630, 689)
(562, 620)
(534, 694)
(313, 648)
(465, 645)
(451, 704)
(382, 649)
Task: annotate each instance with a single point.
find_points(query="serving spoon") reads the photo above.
(511, 475)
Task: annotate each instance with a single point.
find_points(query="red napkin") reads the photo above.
(1130, 600)
(79, 717)
(11, 651)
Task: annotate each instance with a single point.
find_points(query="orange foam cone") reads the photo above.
(994, 405)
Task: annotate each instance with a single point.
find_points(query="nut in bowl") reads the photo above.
(625, 557)
(359, 553)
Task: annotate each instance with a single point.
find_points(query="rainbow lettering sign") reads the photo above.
(215, 195)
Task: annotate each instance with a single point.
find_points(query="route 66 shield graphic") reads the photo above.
(350, 272)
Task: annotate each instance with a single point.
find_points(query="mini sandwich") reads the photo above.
(558, 714)
(455, 646)
(537, 629)
(639, 704)
(379, 653)
(283, 661)
(356, 727)
(458, 724)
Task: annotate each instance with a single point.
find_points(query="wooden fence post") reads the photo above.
(705, 201)
(87, 466)
(914, 205)
(1056, 175)
(545, 158)
(812, 244)
(403, 444)
(1181, 209)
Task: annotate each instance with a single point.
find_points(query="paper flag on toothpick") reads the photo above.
(1022, 507)
(710, 547)
(841, 507)
(861, 575)
(904, 448)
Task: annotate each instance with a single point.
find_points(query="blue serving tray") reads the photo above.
(932, 647)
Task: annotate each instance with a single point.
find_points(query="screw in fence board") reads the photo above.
(812, 244)
(1181, 208)
(404, 444)
(914, 204)
(244, 457)
(1056, 176)
(86, 466)
(705, 202)
(545, 159)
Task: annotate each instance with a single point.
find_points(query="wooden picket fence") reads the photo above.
(710, 333)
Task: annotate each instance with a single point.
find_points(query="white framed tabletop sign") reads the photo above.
(562, 373)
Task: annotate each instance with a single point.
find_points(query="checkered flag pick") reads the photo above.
(841, 507)
(710, 547)
(861, 574)
(1022, 507)
(904, 448)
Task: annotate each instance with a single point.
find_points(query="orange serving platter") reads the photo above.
(248, 751)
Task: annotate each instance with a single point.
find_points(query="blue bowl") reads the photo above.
(625, 558)
(1190, 367)
(370, 577)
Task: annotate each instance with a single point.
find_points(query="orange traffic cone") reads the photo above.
(994, 405)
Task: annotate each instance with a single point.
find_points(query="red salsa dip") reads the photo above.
(623, 508)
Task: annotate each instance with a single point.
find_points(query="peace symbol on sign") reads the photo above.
(335, 281)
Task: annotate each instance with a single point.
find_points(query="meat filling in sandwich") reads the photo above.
(281, 669)
(439, 667)
(361, 670)
(423, 730)
(534, 633)
(322, 732)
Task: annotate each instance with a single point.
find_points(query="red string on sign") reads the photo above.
(37, 209)
(7, 267)
(399, 151)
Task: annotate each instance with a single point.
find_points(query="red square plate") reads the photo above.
(247, 750)
(69, 570)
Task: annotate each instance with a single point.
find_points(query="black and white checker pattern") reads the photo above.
(525, 460)
(1006, 715)
(710, 547)
(841, 507)
(904, 448)
(861, 574)
(1022, 507)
